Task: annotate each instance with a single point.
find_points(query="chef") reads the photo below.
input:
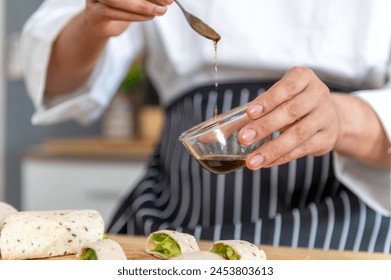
(316, 75)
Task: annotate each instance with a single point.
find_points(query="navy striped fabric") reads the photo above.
(298, 204)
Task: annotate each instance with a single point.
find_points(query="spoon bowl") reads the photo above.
(199, 26)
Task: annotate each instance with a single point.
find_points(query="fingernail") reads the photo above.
(248, 135)
(160, 10)
(255, 110)
(256, 161)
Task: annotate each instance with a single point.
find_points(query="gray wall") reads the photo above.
(20, 134)
(2, 101)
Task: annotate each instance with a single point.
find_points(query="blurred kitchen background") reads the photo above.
(69, 166)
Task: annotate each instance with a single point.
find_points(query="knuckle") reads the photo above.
(275, 150)
(292, 109)
(306, 148)
(268, 101)
(265, 128)
(329, 145)
(290, 86)
(143, 9)
(321, 91)
(302, 71)
(301, 133)
(324, 90)
(320, 152)
(287, 157)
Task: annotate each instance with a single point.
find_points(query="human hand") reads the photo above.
(112, 17)
(300, 107)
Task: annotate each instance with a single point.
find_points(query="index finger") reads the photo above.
(292, 83)
(141, 7)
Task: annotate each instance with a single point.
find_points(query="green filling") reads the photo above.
(89, 255)
(165, 245)
(226, 252)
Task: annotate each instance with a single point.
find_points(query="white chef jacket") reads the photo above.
(346, 42)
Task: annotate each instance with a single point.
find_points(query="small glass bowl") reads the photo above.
(214, 143)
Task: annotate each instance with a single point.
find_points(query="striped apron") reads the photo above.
(297, 204)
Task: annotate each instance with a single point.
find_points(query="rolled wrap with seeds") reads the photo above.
(5, 209)
(106, 249)
(166, 244)
(237, 250)
(42, 234)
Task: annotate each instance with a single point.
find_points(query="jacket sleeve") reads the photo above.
(372, 185)
(87, 103)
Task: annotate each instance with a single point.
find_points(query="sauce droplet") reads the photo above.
(216, 73)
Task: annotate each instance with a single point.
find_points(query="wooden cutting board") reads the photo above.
(96, 147)
(134, 249)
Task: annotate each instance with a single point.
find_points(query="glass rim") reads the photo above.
(201, 128)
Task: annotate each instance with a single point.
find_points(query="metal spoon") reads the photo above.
(199, 26)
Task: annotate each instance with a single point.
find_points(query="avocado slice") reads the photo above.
(165, 245)
(226, 252)
(88, 255)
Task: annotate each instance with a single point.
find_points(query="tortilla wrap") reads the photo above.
(186, 243)
(5, 209)
(106, 249)
(199, 255)
(243, 249)
(41, 234)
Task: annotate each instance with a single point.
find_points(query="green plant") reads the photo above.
(135, 77)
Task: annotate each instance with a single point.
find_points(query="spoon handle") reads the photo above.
(181, 7)
(179, 4)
